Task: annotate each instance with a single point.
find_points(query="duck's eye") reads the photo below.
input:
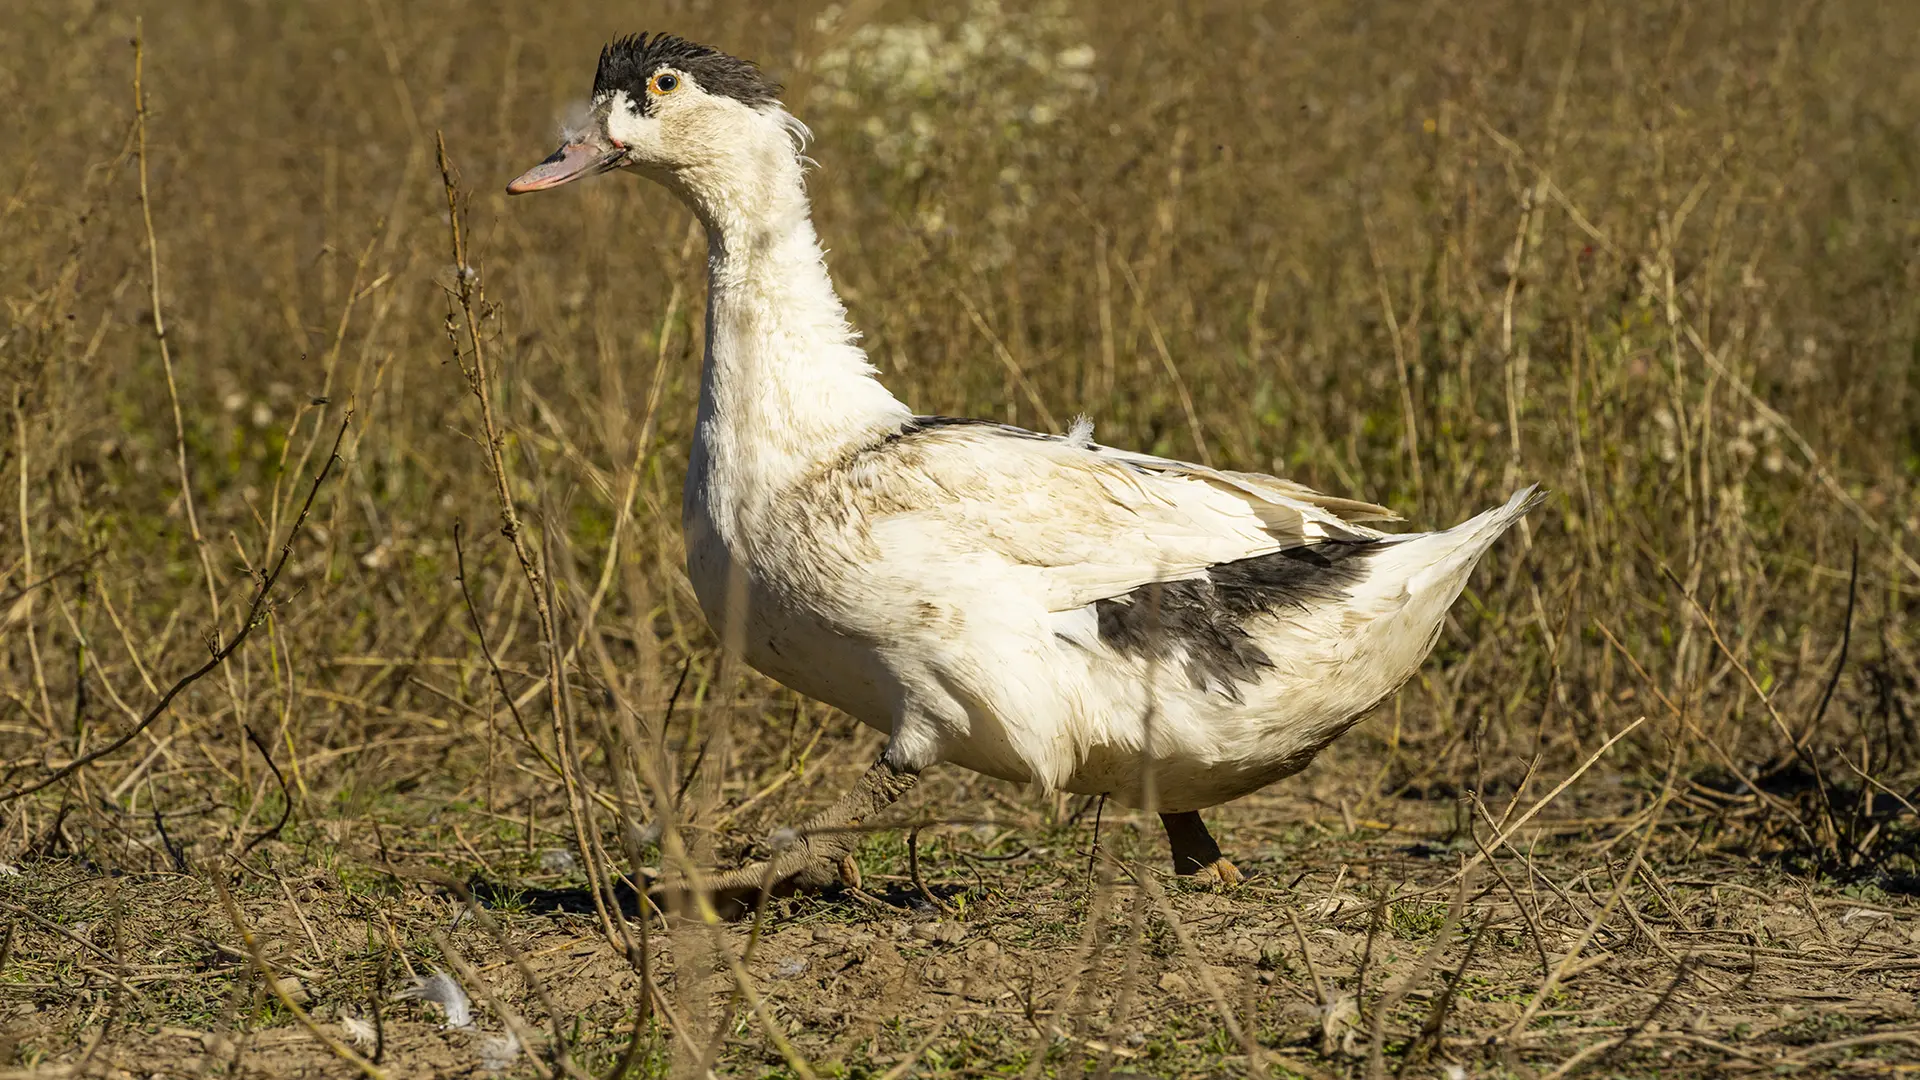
(664, 83)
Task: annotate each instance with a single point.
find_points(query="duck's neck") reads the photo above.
(784, 389)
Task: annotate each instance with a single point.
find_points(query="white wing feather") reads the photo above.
(1093, 522)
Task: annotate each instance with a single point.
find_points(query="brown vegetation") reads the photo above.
(1645, 812)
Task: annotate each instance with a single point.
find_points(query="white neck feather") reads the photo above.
(785, 388)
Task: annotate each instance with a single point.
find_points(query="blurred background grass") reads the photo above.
(1663, 258)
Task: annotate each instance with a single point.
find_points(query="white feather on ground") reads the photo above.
(497, 1052)
(442, 989)
(359, 1031)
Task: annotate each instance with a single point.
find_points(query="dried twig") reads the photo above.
(1256, 1056)
(913, 871)
(1376, 1053)
(1846, 640)
(1820, 470)
(1508, 832)
(486, 650)
(1726, 759)
(256, 612)
(1436, 1021)
(562, 1062)
(286, 796)
(1567, 962)
(702, 897)
(1799, 749)
(467, 298)
(159, 324)
(1172, 369)
(334, 1046)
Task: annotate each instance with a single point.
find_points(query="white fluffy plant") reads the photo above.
(911, 85)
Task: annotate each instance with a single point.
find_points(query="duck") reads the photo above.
(1039, 608)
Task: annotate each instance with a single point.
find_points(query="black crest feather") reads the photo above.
(628, 63)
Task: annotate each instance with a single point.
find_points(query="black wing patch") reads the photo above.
(1205, 618)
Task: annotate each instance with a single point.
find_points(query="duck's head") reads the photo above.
(685, 114)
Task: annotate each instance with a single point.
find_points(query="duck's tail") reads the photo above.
(1413, 580)
(1440, 561)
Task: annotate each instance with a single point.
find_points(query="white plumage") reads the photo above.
(1041, 609)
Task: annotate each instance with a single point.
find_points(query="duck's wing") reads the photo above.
(1094, 522)
(1260, 489)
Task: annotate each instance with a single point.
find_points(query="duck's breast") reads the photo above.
(770, 596)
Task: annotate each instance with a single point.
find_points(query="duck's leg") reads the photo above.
(820, 854)
(1194, 852)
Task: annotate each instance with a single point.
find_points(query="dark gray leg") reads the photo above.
(1194, 852)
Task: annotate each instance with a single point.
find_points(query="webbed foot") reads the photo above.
(819, 855)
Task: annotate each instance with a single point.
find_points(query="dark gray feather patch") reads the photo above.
(1205, 618)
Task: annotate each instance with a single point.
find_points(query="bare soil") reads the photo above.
(1353, 947)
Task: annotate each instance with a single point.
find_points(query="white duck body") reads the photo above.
(987, 596)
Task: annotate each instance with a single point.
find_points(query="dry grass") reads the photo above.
(1663, 259)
